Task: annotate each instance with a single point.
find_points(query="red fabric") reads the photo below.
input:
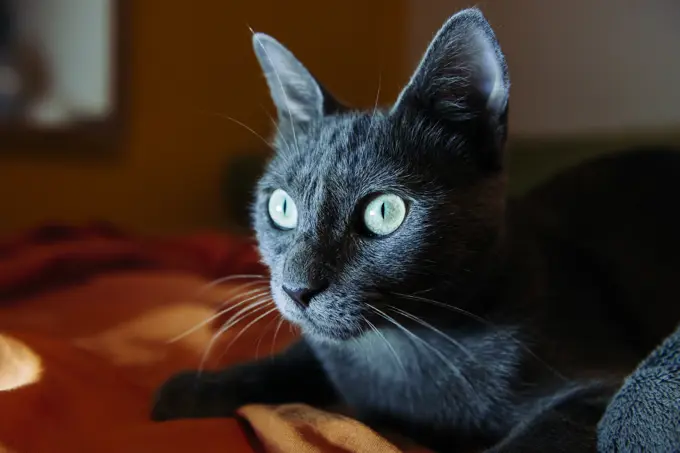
(85, 318)
(57, 254)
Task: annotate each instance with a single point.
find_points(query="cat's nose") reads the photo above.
(303, 296)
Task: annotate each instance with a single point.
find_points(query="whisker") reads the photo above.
(236, 318)
(423, 323)
(388, 344)
(375, 105)
(247, 293)
(259, 341)
(219, 313)
(238, 277)
(254, 308)
(248, 326)
(276, 332)
(443, 305)
(434, 350)
(243, 125)
(283, 91)
(377, 94)
(208, 286)
(276, 125)
(260, 299)
(486, 323)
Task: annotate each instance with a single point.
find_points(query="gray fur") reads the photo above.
(294, 91)
(446, 329)
(331, 169)
(463, 71)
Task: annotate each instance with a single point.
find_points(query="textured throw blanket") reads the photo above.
(645, 414)
(85, 319)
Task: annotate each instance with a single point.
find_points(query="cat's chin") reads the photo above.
(328, 335)
(317, 332)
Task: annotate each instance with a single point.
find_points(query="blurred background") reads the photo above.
(119, 110)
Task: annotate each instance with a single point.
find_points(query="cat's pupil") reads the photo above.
(382, 210)
(285, 205)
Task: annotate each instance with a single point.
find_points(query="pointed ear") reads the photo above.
(463, 74)
(298, 97)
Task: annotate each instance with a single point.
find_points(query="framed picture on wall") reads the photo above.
(61, 77)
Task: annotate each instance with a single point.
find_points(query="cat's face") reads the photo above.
(357, 212)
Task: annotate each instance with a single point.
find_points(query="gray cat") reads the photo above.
(429, 304)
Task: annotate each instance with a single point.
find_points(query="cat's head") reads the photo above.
(360, 212)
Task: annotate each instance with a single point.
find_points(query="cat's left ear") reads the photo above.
(462, 76)
(298, 97)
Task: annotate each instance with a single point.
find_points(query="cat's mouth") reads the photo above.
(328, 319)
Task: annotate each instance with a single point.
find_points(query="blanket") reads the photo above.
(645, 414)
(86, 319)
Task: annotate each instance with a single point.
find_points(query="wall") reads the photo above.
(187, 67)
(579, 66)
(74, 38)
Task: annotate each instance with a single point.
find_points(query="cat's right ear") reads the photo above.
(298, 97)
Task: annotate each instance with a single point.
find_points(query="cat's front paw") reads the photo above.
(176, 398)
(191, 394)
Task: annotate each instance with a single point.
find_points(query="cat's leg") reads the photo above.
(563, 423)
(294, 375)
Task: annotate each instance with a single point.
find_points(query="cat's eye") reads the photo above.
(384, 214)
(282, 210)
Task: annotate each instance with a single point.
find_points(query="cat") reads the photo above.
(430, 304)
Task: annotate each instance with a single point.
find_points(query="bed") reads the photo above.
(87, 315)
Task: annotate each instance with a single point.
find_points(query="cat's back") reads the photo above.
(620, 213)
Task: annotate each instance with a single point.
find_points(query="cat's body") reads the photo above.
(442, 312)
(569, 309)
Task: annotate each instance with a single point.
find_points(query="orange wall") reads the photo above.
(188, 64)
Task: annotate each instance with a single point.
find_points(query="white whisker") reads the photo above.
(434, 350)
(443, 305)
(486, 323)
(208, 286)
(388, 344)
(375, 105)
(456, 343)
(247, 326)
(243, 125)
(252, 309)
(276, 125)
(247, 293)
(276, 332)
(209, 319)
(259, 341)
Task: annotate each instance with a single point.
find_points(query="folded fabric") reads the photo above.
(645, 414)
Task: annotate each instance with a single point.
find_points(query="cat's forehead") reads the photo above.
(344, 138)
(349, 152)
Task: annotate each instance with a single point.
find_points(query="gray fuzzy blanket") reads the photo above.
(644, 416)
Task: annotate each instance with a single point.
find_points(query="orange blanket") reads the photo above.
(86, 315)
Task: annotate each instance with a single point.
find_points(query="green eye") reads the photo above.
(384, 214)
(282, 210)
